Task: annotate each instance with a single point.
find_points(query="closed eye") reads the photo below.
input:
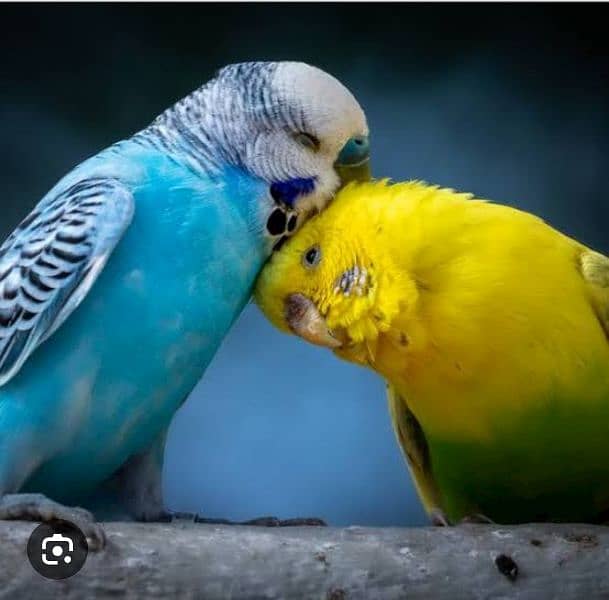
(307, 140)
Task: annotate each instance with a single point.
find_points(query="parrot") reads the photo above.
(119, 286)
(490, 329)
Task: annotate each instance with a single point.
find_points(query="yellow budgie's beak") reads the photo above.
(304, 320)
(353, 162)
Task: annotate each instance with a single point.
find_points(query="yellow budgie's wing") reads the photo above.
(411, 438)
(595, 269)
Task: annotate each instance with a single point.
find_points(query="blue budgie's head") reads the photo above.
(287, 123)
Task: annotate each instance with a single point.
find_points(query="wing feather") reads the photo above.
(412, 441)
(49, 263)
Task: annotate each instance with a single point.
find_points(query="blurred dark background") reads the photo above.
(509, 101)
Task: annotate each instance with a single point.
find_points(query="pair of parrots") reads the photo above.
(115, 292)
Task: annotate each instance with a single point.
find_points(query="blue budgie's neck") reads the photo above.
(210, 128)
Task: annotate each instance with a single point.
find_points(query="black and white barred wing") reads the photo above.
(49, 263)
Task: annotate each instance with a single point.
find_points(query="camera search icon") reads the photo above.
(57, 549)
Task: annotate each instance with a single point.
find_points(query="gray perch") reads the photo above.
(188, 560)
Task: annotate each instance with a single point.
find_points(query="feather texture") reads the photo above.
(49, 263)
(491, 328)
(170, 277)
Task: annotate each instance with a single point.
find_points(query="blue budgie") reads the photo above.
(117, 289)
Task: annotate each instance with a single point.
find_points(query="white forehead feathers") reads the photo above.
(329, 109)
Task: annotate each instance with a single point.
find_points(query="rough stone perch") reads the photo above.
(188, 560)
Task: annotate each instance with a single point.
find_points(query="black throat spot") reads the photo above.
(276, 223)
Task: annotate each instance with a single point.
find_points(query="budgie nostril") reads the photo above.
(353, 162)
(354, 152)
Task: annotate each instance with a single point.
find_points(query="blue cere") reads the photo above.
(355, 151)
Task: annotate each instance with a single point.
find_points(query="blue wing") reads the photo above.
(49, 263)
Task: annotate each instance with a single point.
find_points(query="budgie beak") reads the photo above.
(304, 320)
(353, 162)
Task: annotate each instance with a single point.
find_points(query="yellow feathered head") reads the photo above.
(332, 283)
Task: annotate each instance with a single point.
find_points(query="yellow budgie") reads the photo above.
(491, 328)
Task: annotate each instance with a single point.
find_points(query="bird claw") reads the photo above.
(275, 522)
(37, 507)
(476, 518)
(303, 522)
(258, 522)
(438, 518)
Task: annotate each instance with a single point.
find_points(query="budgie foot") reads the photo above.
(439, 519)
(476, 518)
(275, 522)
(259, 522)
(37, 507)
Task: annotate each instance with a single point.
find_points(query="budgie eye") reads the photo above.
(307, 140)
(311, 257)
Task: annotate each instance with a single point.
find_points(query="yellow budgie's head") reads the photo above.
(333, 284)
